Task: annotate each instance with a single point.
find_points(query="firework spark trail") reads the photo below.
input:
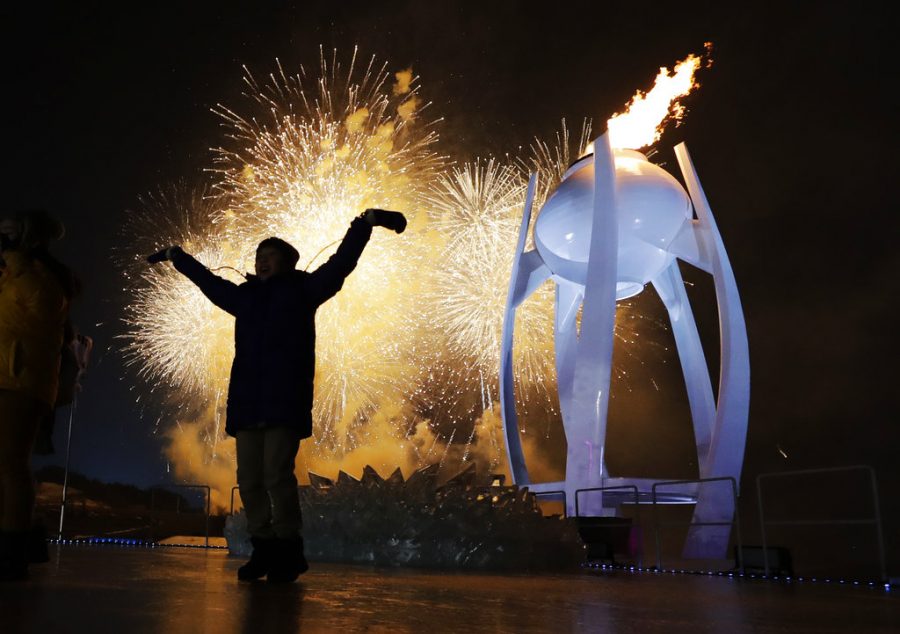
(168, 311)
(550, 160)
(418, 322)
(318, 160)
(303, 172)
(469, 443)
(478, 208)
(447, 448)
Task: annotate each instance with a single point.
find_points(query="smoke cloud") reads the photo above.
(404, 79)
(196, 461)
(356, 120)
(393, 439)
(407, 109)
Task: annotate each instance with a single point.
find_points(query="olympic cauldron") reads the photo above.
(614, 224)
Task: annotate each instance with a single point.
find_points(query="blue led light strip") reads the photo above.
(735, 575)
(124, 541)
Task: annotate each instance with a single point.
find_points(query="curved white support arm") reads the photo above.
(568, 299)
(691, 245)
(518, 283)
(729, 435)
(532, 273)
(670, 287)
(730, 429)
(586, 433)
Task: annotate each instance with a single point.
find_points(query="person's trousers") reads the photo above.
(265, 475)
(20, 418)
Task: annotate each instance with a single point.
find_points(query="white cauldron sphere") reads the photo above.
(652, 208)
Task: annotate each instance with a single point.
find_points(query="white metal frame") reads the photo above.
(584, 360)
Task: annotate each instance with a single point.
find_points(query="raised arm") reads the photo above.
(220, 292)
(328, 279)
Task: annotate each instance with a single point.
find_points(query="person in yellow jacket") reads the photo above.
(35, 292)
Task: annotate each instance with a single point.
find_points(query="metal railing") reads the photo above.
(563, 493)
(233, 489)
(609, 488)
(735, 522)
(205, 487)
(637, 512)
(876, 520)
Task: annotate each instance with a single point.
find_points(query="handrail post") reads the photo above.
(540, 493)
(735, 521)
(878, 529)
(208, 490)
(762, 524)
(152, 514)
(656, 528)
(233, 489)
(208, 509)
(737, 524)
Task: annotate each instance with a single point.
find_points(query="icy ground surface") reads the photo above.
(415, 522)
(99, 589)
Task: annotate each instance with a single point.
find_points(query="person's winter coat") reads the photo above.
(33, 310)
(275, 334)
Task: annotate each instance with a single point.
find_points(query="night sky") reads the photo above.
(792, 134)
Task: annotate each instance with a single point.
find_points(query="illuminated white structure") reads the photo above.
(615, 223)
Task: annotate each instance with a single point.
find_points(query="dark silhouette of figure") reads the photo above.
(35, 292)
(270, 394)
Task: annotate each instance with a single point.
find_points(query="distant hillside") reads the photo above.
(112, 494)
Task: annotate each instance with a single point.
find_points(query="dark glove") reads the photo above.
(382, 218)
(162, 256)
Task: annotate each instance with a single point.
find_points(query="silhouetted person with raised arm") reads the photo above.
(270, 395)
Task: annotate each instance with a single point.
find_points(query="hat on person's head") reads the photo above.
(291, 255)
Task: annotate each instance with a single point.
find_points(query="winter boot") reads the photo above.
(260, 560)
(288, 561)
(13, 556)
